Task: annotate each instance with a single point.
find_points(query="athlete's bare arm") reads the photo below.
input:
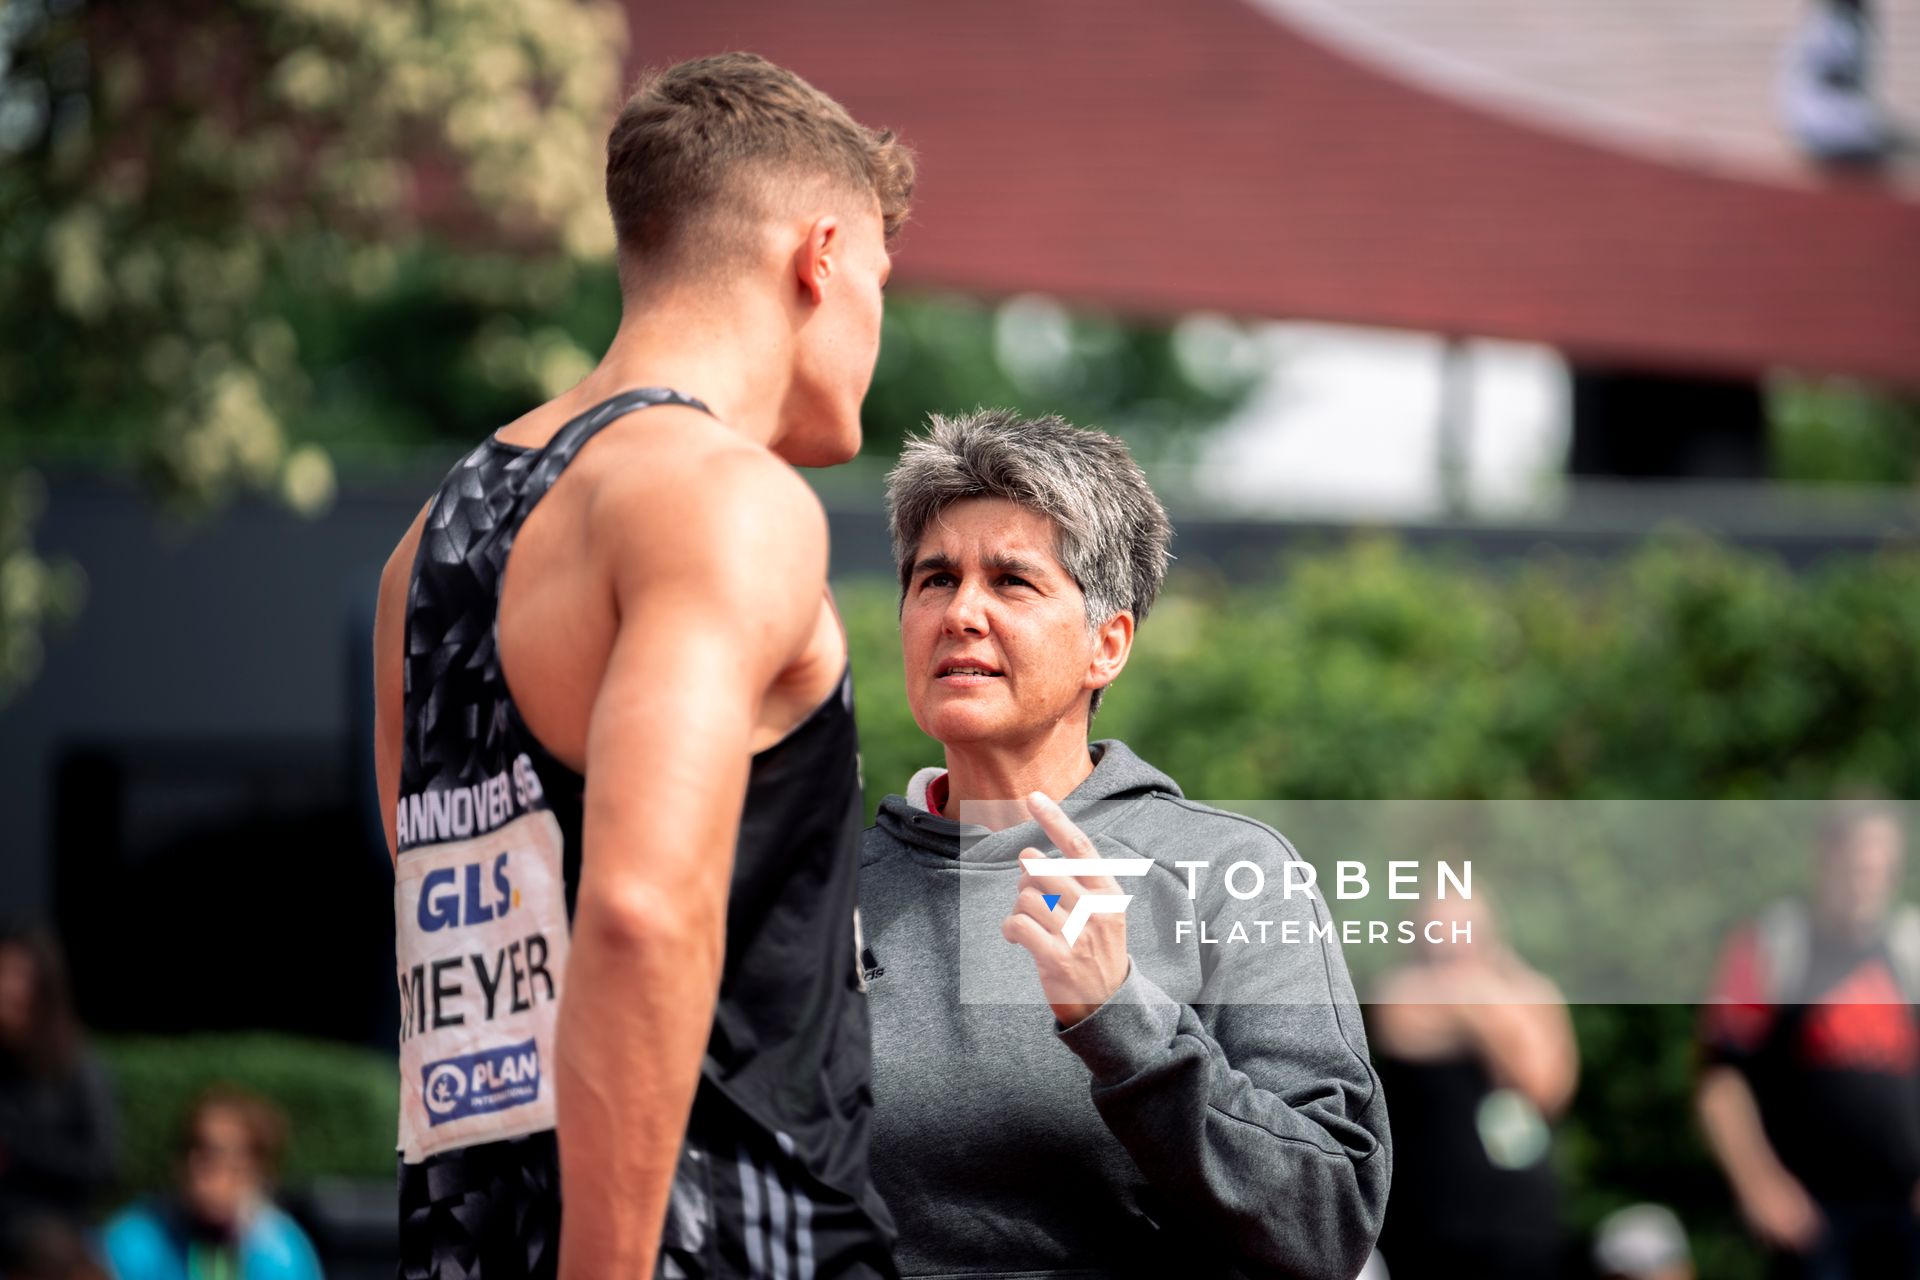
(716, 580)
(1775, 1204)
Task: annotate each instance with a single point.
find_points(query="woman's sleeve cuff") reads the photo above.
(1131, 1032)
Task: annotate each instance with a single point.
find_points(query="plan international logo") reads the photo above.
(476, 1083)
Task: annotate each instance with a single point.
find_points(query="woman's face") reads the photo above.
(994, 631)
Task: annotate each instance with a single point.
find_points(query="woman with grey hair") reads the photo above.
(1187, 1109)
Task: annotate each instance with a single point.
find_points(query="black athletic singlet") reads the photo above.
(772, 1181)
(1453, 1210)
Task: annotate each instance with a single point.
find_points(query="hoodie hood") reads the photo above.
(1119, 781)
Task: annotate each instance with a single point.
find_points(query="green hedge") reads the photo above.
(1686, 671)
(343, 1101)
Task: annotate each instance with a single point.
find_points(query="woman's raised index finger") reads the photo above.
(1068, 838)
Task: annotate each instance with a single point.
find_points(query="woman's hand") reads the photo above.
(1079, 976)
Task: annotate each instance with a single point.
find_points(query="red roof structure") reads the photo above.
(1292, 159)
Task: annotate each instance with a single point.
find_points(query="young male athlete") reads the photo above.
(616, 742)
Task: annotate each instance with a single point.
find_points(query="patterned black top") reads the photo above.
(773, 1178)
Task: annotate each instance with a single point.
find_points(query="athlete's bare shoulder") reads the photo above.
(697, 495)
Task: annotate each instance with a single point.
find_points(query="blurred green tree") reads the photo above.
(34, 591)
(176, 176)
(1160, 385)
(179, 175)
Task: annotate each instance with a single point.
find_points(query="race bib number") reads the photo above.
(482, 927)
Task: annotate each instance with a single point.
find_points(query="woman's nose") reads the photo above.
(966, 611)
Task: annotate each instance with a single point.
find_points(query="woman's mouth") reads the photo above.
(965, 674)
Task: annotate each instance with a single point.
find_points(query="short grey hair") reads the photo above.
(1110, 531)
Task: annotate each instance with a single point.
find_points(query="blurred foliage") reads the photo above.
(342, 1101)
(34, 591)
(1631, 1136)
(1688, 670)
(1833, 431)
(179, 182)
(1158, 385)
(176, 172)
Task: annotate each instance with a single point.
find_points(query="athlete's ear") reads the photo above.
(818, 257)
(1111, 645)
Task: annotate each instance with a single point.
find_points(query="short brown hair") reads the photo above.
(689, 134)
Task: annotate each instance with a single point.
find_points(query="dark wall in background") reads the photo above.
(184, 776)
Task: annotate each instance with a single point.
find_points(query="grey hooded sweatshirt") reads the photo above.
(1219, 1116)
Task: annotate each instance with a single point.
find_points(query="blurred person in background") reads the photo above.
(1159, 1120)
(220, 1222)
(52, 1250)
(56, 1109)
(1642, 1242)
(1477, 1056)
(1810, 1095)
(1827, 94)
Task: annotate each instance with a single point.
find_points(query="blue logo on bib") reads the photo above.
(477, 1083)
(449, 900)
